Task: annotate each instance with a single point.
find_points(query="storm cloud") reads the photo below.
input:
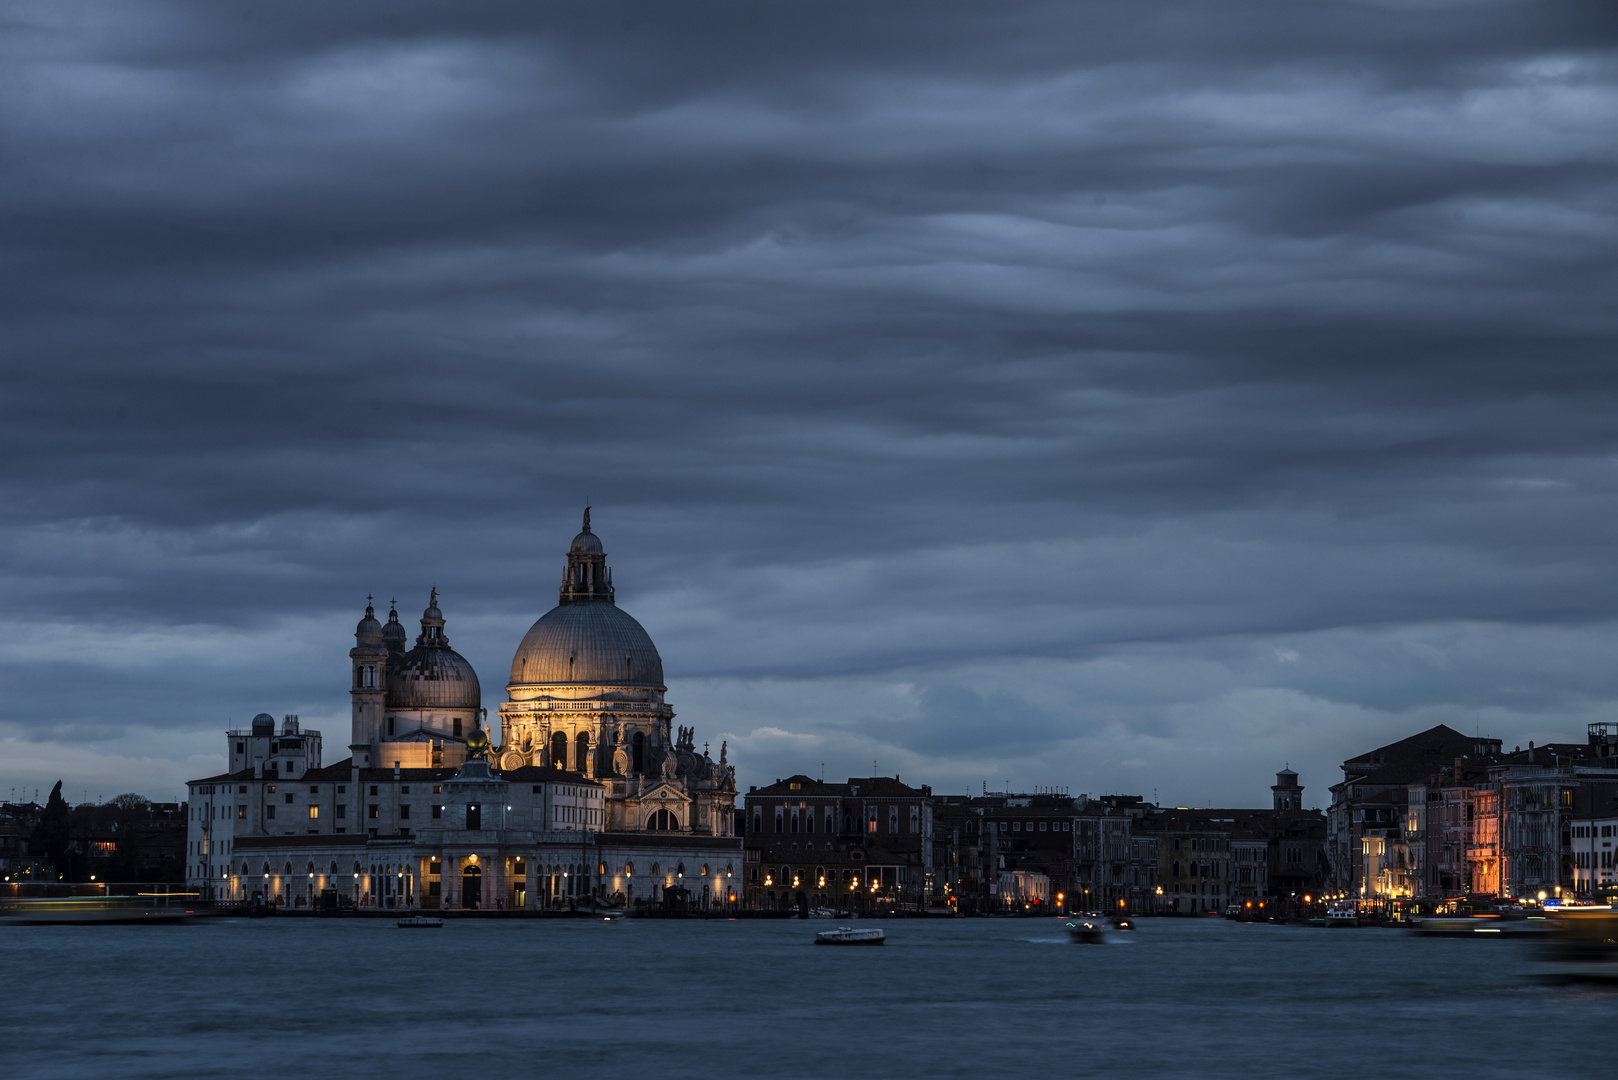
(1116, 396)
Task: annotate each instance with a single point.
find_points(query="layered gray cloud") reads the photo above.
(1079, 394)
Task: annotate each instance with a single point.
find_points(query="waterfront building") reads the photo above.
(1592, 834)
(591, 793)
(1376, 847)
(1534, 798)
(1441, 815)
(859, 845)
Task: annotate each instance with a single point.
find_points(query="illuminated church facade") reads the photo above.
(593, 796)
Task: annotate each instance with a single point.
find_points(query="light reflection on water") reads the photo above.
(970, 997)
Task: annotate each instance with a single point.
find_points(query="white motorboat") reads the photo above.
(847, 935)
(420, 922)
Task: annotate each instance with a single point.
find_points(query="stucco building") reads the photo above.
(591, 794)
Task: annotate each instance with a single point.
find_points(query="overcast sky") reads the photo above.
(1120, 396)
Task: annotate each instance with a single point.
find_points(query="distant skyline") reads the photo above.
(1076, 394)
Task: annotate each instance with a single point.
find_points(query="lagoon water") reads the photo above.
(962, 998)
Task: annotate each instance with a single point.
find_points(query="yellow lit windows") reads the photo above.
(314, 813)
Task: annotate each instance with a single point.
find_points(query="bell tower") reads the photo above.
(368, 687)
(1287, 791)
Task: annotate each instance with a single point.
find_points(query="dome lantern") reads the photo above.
(586, 579)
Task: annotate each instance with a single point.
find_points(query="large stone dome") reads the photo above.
(593, 642)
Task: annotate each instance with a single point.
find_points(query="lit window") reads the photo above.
(314, 813)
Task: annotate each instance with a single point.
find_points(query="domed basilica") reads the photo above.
(587, 754)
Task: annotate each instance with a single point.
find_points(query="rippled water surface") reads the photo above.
(971, 997)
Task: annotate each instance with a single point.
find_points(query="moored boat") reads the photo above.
(1342, 914)
(846, 935)
(420, 922)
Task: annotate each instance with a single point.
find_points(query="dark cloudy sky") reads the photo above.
(1125, 396)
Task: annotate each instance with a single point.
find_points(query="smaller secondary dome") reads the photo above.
(263, 724)
(368, 625)
(433, 678)
(432, 675)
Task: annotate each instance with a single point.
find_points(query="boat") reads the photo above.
(420, 922)
(1580, 947)
(1342, 914)
(1088, 932)
(1483, 926)
(94, 911)
(1123, 922)
(825, 913)
(847, 935)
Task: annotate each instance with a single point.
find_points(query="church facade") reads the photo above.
(593, 795)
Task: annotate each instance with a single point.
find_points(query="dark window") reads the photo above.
(474, 816)
(289, 797)
(457, 731)
(342, 810)
(581, 751)
(662, 821)
(269, 811)
(376, 811)
(437, 811)
(637, 751)
(314, 789)
(404, 811)
(390, 725)
(373, 789)
(559, 751)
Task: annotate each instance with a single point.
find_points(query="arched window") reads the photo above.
(794, 821)
(245, 870)
(637, 752)
(581, 756)
(607, 765)
(288, 871)
(266, 869)
(704, 869)
(809, 821)
(311, 870)
(831, 823)
(559, 750)
(1176, 868)
(820, 877)
(356, 868)
(334, 868)
(662, 821)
